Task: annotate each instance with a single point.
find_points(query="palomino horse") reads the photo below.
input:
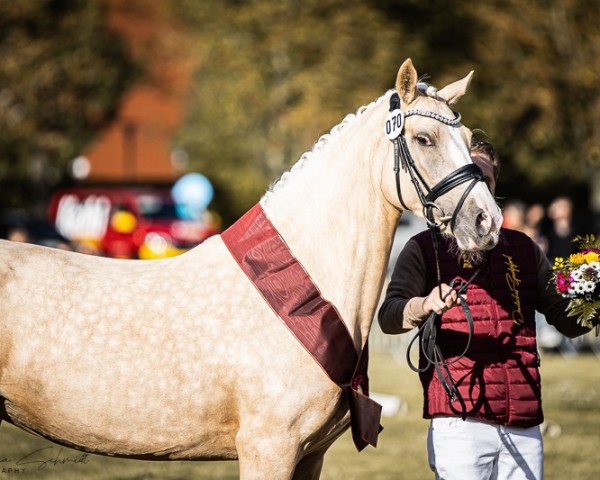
(181, 358)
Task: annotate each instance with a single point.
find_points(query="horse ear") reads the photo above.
(453, 92)
(406, 82)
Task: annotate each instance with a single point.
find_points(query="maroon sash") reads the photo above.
(290, 292)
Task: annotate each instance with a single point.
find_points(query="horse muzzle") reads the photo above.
(478, 230)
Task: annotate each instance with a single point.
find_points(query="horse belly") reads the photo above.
(154, 360)
(128, 407)
(112, 367)
(170, 434)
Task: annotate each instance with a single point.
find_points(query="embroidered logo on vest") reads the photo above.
(513, 283)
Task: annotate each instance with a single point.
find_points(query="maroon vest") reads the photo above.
(498, 378)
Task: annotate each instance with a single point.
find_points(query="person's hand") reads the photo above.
(433, 302)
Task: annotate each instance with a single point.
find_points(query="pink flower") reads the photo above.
(562, 284)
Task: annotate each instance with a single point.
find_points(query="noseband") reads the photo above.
(394, 128)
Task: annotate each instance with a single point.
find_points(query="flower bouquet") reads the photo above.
(578, 277)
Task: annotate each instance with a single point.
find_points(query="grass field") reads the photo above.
(571, 393)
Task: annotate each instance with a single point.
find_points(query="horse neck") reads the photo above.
(332, 215)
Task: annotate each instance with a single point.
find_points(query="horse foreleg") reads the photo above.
(263, 457)
(278, 459)
(309, 468)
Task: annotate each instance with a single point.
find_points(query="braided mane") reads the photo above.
(319, 145)
(424, 89)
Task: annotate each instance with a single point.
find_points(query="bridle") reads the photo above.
(429, 329)
(394, 128)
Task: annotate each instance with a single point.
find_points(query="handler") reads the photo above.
(485, 408)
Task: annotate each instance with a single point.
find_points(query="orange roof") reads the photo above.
(136, 146)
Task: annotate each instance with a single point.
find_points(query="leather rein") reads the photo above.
(429, 329)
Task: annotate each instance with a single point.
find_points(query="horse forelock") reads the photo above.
(320, 144)
(429, 99)
(429, 95)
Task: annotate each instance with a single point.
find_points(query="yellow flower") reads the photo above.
(559, 263)
(577, 258)
(591, 257)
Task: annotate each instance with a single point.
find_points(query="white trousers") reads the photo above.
(473, 450)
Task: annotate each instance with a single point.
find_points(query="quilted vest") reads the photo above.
(498, 378)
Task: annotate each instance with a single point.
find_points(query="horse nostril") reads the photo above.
(483, 223)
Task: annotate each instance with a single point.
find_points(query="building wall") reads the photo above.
(137, 145)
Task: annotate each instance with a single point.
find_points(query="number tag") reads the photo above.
(394, 124)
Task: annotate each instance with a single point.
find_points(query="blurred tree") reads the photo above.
(61, 75)
(538, 89)
(273, 76)
(535, 91)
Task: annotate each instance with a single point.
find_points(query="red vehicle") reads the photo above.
(126, 222)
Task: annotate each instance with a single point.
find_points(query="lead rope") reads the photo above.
(427, 335)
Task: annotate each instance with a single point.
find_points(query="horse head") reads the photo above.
(435, 176)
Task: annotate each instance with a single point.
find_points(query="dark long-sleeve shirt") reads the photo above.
(402, 308)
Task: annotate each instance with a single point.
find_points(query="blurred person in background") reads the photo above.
(518, 216)
(513, 214)
(560, 228)
(484, 406)
(533, 221)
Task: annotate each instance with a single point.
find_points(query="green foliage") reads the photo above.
(274, 75)
(61, 75)
(585, 312)
(539, 81)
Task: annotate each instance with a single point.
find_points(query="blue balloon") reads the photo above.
(192, 193)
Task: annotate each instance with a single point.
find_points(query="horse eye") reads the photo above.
(424, 140)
